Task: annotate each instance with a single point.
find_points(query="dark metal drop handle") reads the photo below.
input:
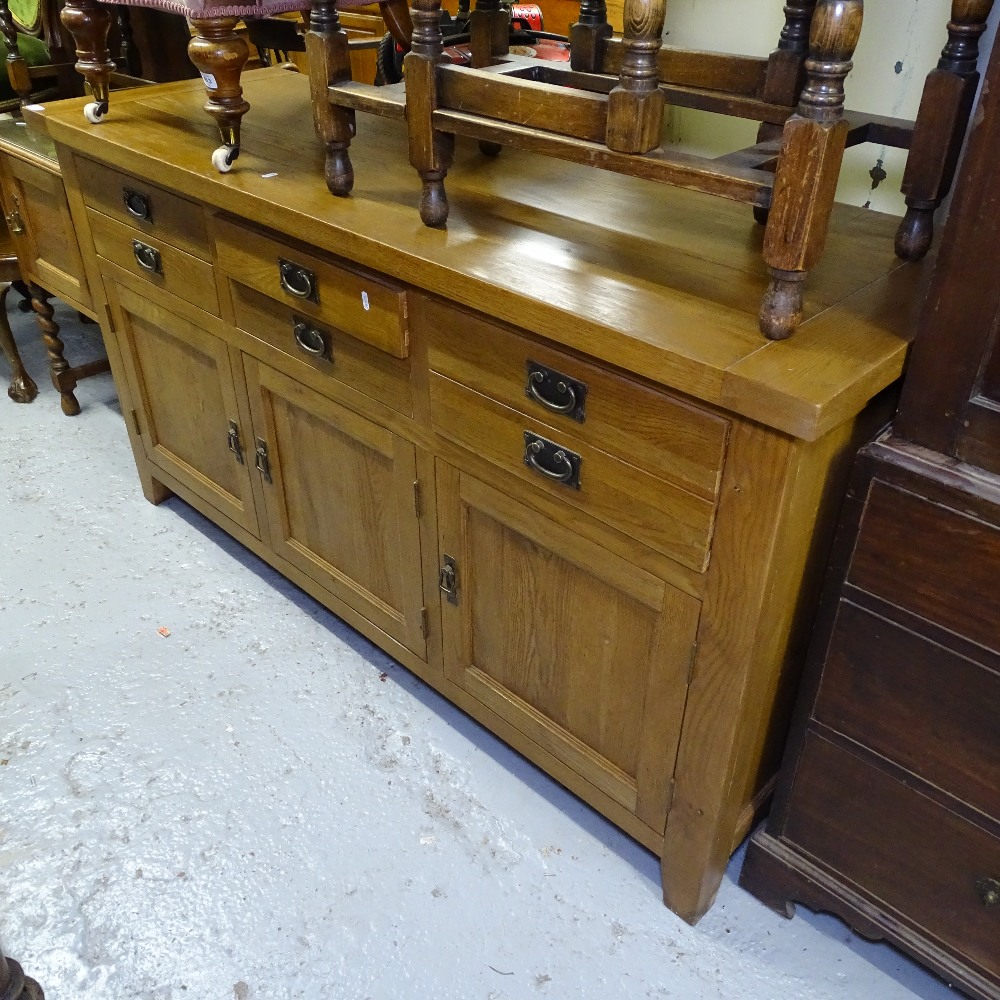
(536, 378)
(296, 280)
(989, 891)
(262, 461)
(137, 205)
(562, 475)
(147, 257)
(311, 340)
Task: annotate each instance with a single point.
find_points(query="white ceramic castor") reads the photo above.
(95, 111)
(224, 157)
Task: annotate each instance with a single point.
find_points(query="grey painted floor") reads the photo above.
(262, 805)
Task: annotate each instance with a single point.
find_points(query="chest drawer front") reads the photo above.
(932, 561)
(900, 847)
(325, 350)
(646, 428)
(655, 512)
(922, 706)
(163, 265)
(371, 309)
(145, 208)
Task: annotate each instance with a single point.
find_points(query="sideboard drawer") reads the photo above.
(144, 207)
(670, 520)
(916, 554)
(325, 350)
(365, 306)
(160, 263)
(945, 728)
(924, 862)
(647, 428)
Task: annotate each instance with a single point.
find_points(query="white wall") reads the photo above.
(900, 43)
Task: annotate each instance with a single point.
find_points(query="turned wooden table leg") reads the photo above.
(14, 984)
(587, 37)
(635, 106)
(329, 63)
(940, 128)
(88, 22)
(219, 54)
(812, 151)
(786, 71)
(63, 377)
(431, 151)
(489, 29)
(22, 388)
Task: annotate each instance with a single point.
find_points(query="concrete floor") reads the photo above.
(262, 805)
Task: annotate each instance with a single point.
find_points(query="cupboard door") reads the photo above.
(579, 649)
(340, 493)
(185, 384)
(38, 214)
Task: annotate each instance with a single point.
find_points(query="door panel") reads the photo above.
(184, 381)
(341, 501)
(579, 649)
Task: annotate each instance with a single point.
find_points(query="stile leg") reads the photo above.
(330, 62)
(431, 151)
(88, 22)
(219, 54)
(22, 388)
(943, 117)
(635, 106)
(812, 151)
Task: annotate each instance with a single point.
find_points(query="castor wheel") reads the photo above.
(95, 111)
(224, 157)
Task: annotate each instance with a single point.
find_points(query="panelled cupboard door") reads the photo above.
(579, 649)
(340, 493)
(184, 382)
(39, 219)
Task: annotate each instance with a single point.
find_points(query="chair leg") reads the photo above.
(17, 68)
(219, 54)
(786, 67)
(588, 35)
(22, 388)
(63, 377)
(943, 117)
(89, 22)
(812, 151)
(431, 151)
(489, 28)
(330, 62)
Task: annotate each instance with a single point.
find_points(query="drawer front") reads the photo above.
(324, 349)
(916, 703)
(899, 846)
(147, 209)
(646, 428)
(932, 561)
(160, 263)
(655, 512)
(369, 308)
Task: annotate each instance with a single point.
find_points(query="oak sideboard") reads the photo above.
(543, 458)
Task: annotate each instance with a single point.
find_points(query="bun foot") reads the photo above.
(915, 233)
(488, 148)
(434, 202)
(761, 215)
(69, 404)
(781, 309)
(339, 172)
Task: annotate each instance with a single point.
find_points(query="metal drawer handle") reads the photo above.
(989, 891)
(262, 460)
(137, 205)
(311, 340)
(448, 580)
(147, 257)
(297, 280)
(558, 393)
(552, 460)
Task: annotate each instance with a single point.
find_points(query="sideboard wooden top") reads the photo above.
(657, 281)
